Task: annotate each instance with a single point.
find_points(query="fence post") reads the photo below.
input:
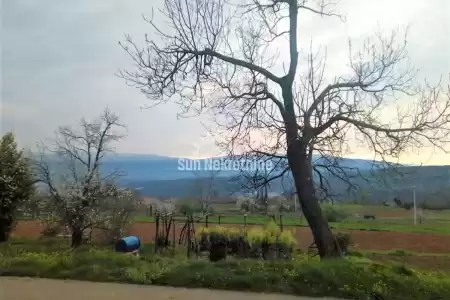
(173, 235)
(281, 222)
(156, 232)
(245, 221)
(206, 221)
(189, 236)
(219, 219)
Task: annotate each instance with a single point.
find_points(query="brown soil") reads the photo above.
(45, 289)
(364, 240)
(27, 229)
(435, 263)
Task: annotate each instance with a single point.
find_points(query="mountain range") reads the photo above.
(165, 177)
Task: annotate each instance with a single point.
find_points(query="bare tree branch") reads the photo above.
(70, 171)
(216, 56)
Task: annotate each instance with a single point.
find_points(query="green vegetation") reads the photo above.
(440, 228)
(335, 213)
(268, 242)
(352, 278)
(370, 225)
(340, 216)
(398, 252)
(16, 183)
(270, 234)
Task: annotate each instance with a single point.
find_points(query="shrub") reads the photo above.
(268, 242)
(344, 242)
(186, 209)
(246, 204)
(218, 243)
(51, 231)
(334, 214)
(51, 225)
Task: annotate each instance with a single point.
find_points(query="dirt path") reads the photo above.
(45, 289)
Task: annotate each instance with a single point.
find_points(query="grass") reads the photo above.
(398, 252)
(369, 225)
(437, 222)
(439, 228)
(352, 278)
(424, 261)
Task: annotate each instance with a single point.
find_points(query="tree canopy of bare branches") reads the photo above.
(71, 173)
(204, 188)
(217, 55)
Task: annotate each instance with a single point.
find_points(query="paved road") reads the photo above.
(12, 288)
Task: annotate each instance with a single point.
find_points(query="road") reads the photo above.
(12, 288)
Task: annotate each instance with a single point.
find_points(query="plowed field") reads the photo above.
(364, 240)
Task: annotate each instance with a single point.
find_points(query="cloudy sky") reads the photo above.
(59, 58)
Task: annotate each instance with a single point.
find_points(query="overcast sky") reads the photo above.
(59, 58)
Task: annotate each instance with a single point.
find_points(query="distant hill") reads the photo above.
(161, 176)
(153, 167)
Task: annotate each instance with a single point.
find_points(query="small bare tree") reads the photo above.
(166, 207)
(116, 212)
(217, 55)
(246, 203)
(205, 189)
(71, 173)
(256, 182)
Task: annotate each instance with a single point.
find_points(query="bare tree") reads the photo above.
(70, 171)
(216, 55)
(257, 183)
(205, 189)
(116, 211)
(246, 203)
(166, 207)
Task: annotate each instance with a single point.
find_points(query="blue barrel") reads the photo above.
(128, 244)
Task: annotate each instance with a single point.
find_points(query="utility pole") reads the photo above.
(415, 207)
(414, 201)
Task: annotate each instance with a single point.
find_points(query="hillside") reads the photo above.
(161, 176)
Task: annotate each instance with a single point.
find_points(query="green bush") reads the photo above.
(186, 209)
(268, 242)
(353, 278)
(344, 242)
(334, 214)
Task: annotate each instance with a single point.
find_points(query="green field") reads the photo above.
(387, 219)
(435, 227)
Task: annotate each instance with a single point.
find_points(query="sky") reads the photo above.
(60, 57)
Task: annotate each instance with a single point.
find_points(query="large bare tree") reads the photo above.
(218, 55)
(70, 170)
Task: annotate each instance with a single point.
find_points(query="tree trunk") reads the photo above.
(301, 170)
(5, 229)
(77, 237)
